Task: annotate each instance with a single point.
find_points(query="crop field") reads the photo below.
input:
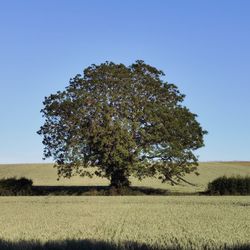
(124, 222)
(46, 175)
(185, 222)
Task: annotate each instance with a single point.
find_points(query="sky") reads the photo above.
(202, 46)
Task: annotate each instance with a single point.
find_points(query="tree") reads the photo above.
(121, 121)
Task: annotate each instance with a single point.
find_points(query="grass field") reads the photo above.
(124, 222)
(46, 175)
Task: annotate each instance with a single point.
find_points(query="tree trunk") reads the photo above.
(119, 179)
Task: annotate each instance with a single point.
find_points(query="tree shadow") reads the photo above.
(97, 190)
(88, 244)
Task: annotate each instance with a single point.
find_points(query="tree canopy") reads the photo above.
(117, 121)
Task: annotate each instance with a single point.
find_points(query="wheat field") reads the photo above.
(124, 222)
(190, 222)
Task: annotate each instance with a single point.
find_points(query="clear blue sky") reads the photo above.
(202, 46)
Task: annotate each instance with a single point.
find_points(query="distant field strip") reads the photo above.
(45, 174)
(189, 222)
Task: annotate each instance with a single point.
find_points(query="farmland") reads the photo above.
(184, 222)
(45, 175)
(124, 222)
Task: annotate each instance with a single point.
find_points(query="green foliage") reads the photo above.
(124, 121)
(13, 186)
(236, 185)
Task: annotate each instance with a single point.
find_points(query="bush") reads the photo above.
(235, 185)
(13, 186)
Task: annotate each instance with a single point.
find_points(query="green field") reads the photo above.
(124, 222)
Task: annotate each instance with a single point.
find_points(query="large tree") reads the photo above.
(116, 121)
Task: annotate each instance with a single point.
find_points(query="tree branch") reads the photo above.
(194, 185)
